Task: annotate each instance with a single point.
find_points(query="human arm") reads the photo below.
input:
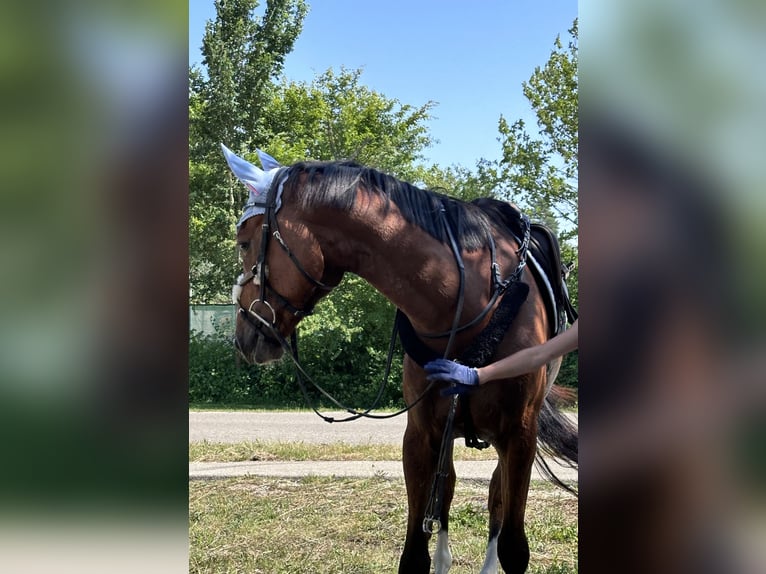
(524, 361)
(531, 358)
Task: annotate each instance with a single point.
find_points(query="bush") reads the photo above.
(568, 374)
(215, 375)
(343, 347)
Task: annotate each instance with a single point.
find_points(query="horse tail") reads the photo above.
(556, 437)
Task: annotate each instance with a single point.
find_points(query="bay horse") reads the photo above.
(306, 225)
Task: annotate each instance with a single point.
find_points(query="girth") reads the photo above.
(484, 345)
(479, 352)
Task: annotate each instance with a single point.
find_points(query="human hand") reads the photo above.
(452, 372)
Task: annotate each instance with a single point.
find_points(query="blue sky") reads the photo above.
(470, 58)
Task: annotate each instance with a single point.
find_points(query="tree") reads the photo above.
(543, 170)
(243, 54)
(238, 98)
(333, 117)
(459, 181)
(336, 117)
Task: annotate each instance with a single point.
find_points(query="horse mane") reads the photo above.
(334, 184)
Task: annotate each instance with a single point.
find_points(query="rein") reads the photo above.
(499, 286)
(432, 517)
(431, 522)
(259, 273)
(291, 348)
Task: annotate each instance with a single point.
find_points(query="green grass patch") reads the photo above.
(299, 451)
(331, 525)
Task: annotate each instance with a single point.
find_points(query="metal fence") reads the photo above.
(212, 320)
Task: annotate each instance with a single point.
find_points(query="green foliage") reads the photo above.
(461, 182)
(238, 98)
(543, 171)
(214, 376)
(343, 347)
(336, 117)
(568, 375)
(242, 55)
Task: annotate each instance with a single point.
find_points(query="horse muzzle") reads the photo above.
(256, 346)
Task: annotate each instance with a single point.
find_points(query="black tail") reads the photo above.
(557, 439)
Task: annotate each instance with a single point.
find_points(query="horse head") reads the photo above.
(282, 261)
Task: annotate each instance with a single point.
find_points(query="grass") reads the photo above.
(337, 525)
(332, 525)
(299, 451)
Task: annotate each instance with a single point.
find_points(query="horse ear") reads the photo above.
(243, 169)
(267, 161)
(254, 178)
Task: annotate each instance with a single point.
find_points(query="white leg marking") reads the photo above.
(490, 562)
(442, 555)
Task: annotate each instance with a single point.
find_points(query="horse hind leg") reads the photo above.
(495, 504)
(516, 461)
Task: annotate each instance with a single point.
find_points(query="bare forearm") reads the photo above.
(521, 362)
(531, 358)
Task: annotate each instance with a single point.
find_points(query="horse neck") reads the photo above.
(413, 270)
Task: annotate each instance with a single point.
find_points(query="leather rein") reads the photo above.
(259, 274)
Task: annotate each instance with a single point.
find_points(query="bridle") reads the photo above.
(259, 272)
(499, 285)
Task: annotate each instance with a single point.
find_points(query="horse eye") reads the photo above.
(244, 245)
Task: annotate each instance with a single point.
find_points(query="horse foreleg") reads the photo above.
(516, 461)
(420, 462)
(442, 553)
(495, 504)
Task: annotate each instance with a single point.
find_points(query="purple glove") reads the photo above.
(452, 372)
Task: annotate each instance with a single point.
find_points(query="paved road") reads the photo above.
(465, 469)
(215, 426)
(237, 426)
